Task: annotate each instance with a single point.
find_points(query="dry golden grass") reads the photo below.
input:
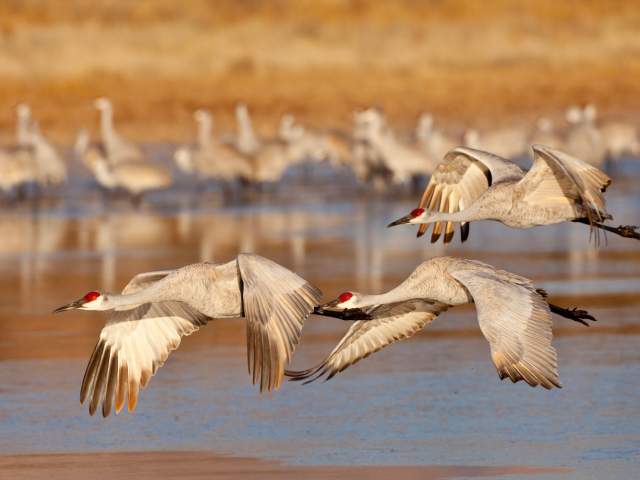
(464, 60)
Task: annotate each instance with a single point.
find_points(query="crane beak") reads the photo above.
(70, 306)
(330, 305)
(400, 221)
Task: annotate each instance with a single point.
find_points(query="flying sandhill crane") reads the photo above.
(211, 159)
(246, 141)
(117, 148)
(514, 317)
(156, 309)
(475, 185)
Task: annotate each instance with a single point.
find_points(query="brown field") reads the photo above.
(464, 60)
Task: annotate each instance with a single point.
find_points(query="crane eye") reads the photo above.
(417, 212)
(91, 296)
(345, 297)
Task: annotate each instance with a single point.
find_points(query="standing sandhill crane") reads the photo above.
(433, 141)
(18, 168)
(117, 148)
(366, 161)
(514, 317)
(156, 309)
(584, 140)
(211, 159)
(305, 145)
(23, 125)
(620, 138)
(51, 168)
(404, 161)
(246, 142)
(17, 162)
(544, 133)
(475, 185)
(136, 178)
(508, 142)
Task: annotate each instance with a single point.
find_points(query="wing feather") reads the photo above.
(459, 180)
(132, 346)
(516, 321)
(389, 324)
(558, 179)
(276, 303)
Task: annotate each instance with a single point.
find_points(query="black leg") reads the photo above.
(580, 316)
(627, 231)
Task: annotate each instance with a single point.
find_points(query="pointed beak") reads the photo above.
(400, 221)
(330, 305)
(70, 306)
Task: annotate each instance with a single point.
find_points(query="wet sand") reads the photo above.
(204, 465)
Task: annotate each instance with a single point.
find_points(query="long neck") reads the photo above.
(106, 124)
(204, 132)
(22, 131)
(473, 212)
(245, 129)
(152, 293)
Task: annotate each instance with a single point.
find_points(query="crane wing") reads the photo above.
(132, 346)
(557, 178)
(516, 321)
(390, 323)
(458, 181)
(276, 303)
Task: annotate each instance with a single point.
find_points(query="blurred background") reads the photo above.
(139, 136)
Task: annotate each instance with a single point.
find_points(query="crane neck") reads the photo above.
(473, 212)
(204, 133)
(152, 293)
(23, 135)
(106, 125)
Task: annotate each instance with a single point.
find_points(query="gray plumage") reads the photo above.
(476, 185)
(156, 309)
(513, 316)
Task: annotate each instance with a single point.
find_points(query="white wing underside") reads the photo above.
(134, 343)
(463, 176)
(516, 321)
(391, 323)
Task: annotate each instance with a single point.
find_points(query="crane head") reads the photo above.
(345, 300)
(91, 301)
(417, 215)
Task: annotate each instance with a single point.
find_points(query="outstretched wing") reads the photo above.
(516, 321)
(276, 303)
(389, 324)
(558, 179)
(133, 344)
(463, 176)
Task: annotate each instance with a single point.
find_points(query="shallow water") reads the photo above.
(434, 399)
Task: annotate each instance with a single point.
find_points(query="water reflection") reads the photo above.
(342, 242)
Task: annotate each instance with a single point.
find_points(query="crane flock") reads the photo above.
(373, 152)
(156, 309)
